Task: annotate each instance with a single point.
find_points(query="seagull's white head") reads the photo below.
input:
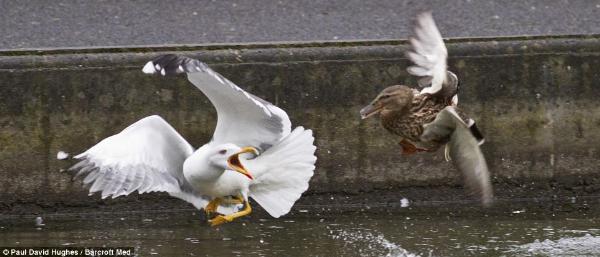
(227, 157)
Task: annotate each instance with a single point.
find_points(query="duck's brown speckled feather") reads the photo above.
(409, 125)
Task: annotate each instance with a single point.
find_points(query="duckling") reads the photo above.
(427, 119)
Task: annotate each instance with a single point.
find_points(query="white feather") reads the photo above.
(149, 68)
(282, 173)
(147, 156)
(428, 53)
(257, 122)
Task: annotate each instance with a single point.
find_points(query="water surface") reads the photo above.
(183, 233)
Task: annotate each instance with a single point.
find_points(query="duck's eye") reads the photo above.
(223, 152)
(384, 97)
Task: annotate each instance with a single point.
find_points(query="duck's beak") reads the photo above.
(369, 111)
(234, 161)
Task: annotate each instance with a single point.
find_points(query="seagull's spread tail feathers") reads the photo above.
(283, 171)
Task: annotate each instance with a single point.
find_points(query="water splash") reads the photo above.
(569, 246)
(367, 243)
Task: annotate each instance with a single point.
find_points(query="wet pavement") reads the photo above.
(516, 232)
(76, 23)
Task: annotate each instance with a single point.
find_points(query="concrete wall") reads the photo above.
(536, 99)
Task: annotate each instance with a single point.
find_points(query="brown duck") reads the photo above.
(427, 119)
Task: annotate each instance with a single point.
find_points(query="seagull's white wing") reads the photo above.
(243, 119)
(428, 54)
(147, 156)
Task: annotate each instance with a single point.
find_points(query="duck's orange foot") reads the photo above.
(409, 148)
(424, 150)
(408, 151)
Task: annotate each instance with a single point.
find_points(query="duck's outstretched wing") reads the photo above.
(429, 54)
(463, 149)
(243, 119)
(147, 156)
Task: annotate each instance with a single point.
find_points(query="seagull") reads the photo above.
(429, 118)
(253, 153)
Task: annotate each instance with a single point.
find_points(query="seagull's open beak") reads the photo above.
(234, 161)
(369, 111)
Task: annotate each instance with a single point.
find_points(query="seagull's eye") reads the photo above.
(223, 152)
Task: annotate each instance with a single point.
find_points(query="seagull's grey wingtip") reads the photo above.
(173, 64)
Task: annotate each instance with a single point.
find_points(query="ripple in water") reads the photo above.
(370, 244)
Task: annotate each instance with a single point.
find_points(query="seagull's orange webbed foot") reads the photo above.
(212, 206)
(220, 219)
(233, 200)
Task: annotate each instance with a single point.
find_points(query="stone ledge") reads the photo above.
(534, 97)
